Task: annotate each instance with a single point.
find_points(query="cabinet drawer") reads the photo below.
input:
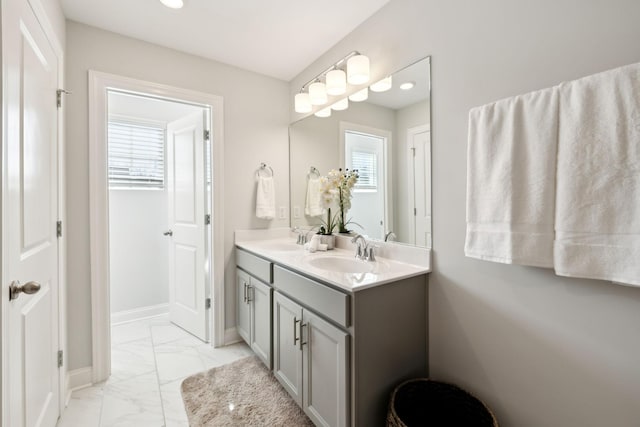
(254, 265)
(327, 302)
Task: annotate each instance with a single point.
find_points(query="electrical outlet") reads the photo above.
(296, 212)
(283, 212)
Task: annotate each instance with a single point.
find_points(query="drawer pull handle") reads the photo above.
(302, 325)
(295, 324)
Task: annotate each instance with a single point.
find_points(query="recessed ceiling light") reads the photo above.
(173, 4)
(407, 85)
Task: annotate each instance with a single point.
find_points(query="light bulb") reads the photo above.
(336, 82)
(360, 95)
(407, 85)
(173, 4)
(302, 103)
(358, 70)
(382, 85)
(326, 112)
(318, 93)
(343, 104)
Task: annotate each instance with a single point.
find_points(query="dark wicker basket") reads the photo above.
(423, 402)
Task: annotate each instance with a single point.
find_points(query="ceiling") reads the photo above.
(278, 38)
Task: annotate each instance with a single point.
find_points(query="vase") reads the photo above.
(329, 240)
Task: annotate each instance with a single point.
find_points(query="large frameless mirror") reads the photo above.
(387, 138)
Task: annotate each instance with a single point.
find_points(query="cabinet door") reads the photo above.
(287, 357)
(325, 372)
(260, 296)
(242, 307)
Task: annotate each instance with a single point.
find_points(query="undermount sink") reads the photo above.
(342, 265)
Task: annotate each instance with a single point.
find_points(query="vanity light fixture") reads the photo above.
(336, 82)
(407, 85)
(353, 68)
(343, 104)
(323, 113)
(358, 70)
(302, 103)
(173, 4)
(382, 85)
(360, 95)
(318, 93)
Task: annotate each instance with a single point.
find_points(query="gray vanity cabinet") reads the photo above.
(254, 304)
(310, 361)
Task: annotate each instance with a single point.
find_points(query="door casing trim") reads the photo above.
(99, 83)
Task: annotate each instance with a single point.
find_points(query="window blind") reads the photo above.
(366, 163)
(136, 155)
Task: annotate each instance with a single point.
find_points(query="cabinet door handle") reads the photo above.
(295, 323)
(244, 293)
(249, 290)
(302, 325)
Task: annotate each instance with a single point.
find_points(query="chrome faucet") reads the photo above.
(364, 250)
(390, 236)
(300, 240)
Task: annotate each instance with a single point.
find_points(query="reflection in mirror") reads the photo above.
(387, 138)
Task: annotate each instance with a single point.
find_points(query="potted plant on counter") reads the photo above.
(336, 189)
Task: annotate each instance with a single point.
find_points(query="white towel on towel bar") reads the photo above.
(511, 169)
(313, 206)
(265, 198)
(598, 194)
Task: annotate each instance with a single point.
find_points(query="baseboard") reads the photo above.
(77, 379)
(139, 313)
(231, 336)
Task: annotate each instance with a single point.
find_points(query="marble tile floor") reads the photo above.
(149, 360)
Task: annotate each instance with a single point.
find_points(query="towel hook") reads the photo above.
(263, 168)
(313, 171)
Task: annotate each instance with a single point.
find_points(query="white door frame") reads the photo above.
(99, 83)
(58, 49)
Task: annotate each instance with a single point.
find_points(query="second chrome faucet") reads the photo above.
(364, 250)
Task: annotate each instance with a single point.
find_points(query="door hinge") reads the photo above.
(207, 219)
(207, 303)
(59, 94)
(413, 151)
(60, 358)
(415, 211)
(59, 228)
(207, 135)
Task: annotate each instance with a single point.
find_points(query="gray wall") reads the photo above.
(539, 349)
(255, 130)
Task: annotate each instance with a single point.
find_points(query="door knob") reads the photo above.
(28, 288)
(168, 233)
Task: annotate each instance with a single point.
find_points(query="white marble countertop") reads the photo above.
(285, 251)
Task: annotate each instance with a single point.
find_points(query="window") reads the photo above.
(366, 163)
(136, 154)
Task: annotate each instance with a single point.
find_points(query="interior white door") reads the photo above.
(420, 180)
(29, 213)
(187, 254)
(365, 152)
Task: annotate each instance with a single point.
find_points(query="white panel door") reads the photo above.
(29, 210)
(186, 191)
(420, 145)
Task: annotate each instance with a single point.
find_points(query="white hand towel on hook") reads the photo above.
(598, 195)
(511, 169)
(313, 206)
(265, 198)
